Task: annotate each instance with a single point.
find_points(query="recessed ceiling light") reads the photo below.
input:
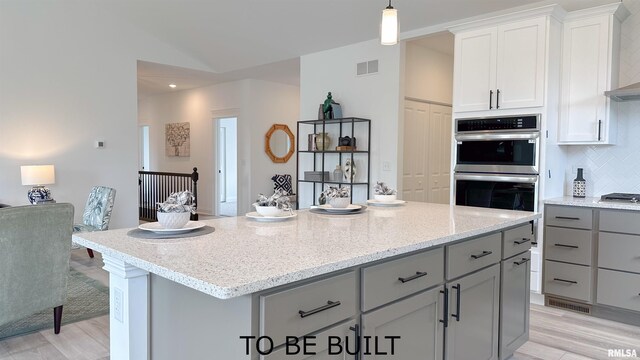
(173, 86)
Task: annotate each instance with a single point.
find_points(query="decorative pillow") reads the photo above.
(282, 182)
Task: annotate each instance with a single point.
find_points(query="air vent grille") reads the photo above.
(568, 305)
(367, 67)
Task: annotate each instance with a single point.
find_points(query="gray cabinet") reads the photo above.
(415, 320)
(322, 350)
(514, 303)
(474, 305)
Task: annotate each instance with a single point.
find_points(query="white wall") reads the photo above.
(67, 79)
(230, 126)
(428, 74)
(616, 168)
(376, 96)
(257, 104)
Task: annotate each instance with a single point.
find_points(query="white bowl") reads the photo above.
(173, 220)
(340, 202)
(385, 198)
(267, 210)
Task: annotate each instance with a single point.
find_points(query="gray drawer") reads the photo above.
(567, 280)
(280, 312)
(516, 240)
(619, 252)
(620, 221)
(619, 289)
(382, 283)
(568, 216)
(568, 245)
(321, 348)
(472, 255)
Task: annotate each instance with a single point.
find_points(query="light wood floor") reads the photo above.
(555, 334)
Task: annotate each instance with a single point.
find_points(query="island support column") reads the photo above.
(129, 310)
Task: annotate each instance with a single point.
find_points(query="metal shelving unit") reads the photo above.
(326, 160)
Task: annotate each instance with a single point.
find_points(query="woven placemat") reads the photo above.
(144, 234)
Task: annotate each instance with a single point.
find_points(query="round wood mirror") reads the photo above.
(279, 143)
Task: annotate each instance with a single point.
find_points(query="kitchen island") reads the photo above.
(204, 297)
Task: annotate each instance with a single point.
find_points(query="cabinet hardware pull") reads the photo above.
(330, 304)
(356, 329)
(567, 246)
(534, 243)
(412, 277)
(520, 242)
(599, 130)
(446, 306)
(523, 261)
(484, 253)
(490, 99)
(458, 291)
(498, 99)
(567, 218)
(563, 280)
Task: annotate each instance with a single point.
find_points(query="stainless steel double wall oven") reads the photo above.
(497, 162)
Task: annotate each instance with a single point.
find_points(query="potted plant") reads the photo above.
(275, 205)
(383, 193)
(338, 197)
(174, 213)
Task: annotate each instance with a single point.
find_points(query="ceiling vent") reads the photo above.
(367, 67)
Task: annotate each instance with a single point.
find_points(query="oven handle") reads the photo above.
(498, 178)
(489, 137)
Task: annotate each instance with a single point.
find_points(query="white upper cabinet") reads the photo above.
(501, 67)
(590, 50)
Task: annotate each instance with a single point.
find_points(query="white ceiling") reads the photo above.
(239, 34)
(441, 42)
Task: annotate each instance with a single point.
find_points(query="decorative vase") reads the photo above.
(349, 170)
(323, 141)
(338, 174)
(173, 220)
(579, 185)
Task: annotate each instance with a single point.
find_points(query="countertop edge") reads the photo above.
(592, 202)
(261, 285)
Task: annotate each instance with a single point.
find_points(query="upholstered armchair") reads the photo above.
(97, 212)
(34, 260)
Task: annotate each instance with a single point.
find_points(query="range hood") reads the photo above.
(627, 93)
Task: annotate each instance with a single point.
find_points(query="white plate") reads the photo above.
(254, 215)
(157, 228)
(350, 208)
(385, 203)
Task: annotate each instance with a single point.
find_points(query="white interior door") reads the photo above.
(227, 166)
(222, 163)
(439, 154)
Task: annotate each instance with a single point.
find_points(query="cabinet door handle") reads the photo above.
(330, 304)
(458, 291)
(567, 246)
(523, 261)
(490, 99)
(484, 253)
(565, 281)
(498, 99)
(567, 218)
(599, 130)
(356, 330)
(445, 320)
(412, 277)
(520, 242)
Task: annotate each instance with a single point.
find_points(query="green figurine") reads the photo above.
(327, 108)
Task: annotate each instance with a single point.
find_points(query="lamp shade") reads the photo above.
(389, 26)
(38, 174)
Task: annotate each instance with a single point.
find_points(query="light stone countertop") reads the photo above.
(243, 256)
(593, 202)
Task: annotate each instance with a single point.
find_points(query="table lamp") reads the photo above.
(38, 176)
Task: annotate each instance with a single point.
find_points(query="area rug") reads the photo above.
(86, 298)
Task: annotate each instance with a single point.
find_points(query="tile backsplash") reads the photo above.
(615, 168)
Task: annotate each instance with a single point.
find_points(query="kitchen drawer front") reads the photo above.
(620, 221)
(517, 240)
(568, 245)
(572, 281)
(619, 289)
(382, 283)
(472, 255)
(307, 308)
(569, 216)
(619, 252)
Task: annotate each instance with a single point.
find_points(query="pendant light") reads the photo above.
(389, 26)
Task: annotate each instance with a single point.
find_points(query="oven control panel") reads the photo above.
(505, 123)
